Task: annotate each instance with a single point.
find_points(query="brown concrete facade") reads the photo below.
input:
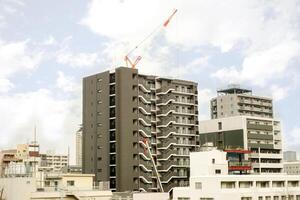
(122, 108)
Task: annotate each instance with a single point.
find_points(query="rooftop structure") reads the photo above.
(235, 101)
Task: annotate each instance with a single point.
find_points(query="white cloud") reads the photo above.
(50, 40)
(292, 139)
(78, 60)
(266, 33)
(279, 93)
(5, 85)
(66, 83)
(16, 57)
(204, 97)
(56, 119)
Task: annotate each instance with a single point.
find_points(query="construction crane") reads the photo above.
(154, 165)
(136, 61)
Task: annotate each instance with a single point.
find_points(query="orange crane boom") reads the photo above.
(136, 61)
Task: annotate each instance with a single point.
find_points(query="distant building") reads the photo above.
(234, 101)
(51, 162)
(290, 156)
(6, 157)
(79, 147)
(292, 167)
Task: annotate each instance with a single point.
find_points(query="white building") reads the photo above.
(262, 136)
(206, 184)
(292, 167)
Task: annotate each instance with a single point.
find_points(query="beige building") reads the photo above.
(234, 101)
(79, 147)
(54, 187)
(51, 162)
(6, 157)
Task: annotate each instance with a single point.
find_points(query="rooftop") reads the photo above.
(234, 89)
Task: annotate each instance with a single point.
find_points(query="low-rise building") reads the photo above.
(206, 184)
(54, 187)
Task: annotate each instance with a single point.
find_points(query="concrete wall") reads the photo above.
(17, 188)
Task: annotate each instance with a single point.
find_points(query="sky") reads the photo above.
(47, 47)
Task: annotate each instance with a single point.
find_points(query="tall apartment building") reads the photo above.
(79, 147)
(245, 121)
(234, 101)
(121, 109)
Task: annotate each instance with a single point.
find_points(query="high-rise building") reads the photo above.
(123, 108)
(290, 156)
(79, 147)
(241, 120)
(235, 100)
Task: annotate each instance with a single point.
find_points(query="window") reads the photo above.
(183, 198)
(227, 184)
(213, 161)
(205, 198)
(260, 198)
(70, 183)
(220, 125)
(218, 171)
(198, 185)
(246, 198)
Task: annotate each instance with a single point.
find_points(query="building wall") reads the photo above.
(292, 167)
(240, 187)
(17, 188)
(260, 135)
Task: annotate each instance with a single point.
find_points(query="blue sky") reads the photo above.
(46, 47)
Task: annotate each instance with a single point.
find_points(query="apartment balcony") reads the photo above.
(145, 108)
(166, 154)
(260, 136)
(145, 131)
(145, 98)
(165, 132)
(185, 122)
(185, 102)
(165, 89)
(165, 110)
(166, 99)
(171, 163)
(146, 177)
(170, 175)
(166, 142)
(145, 186)
(145, 164)
(239, 166)
(170, 186)
(144, 86)
(145, 120)
(166, 121)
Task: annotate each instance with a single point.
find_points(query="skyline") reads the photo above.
(47, 48)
